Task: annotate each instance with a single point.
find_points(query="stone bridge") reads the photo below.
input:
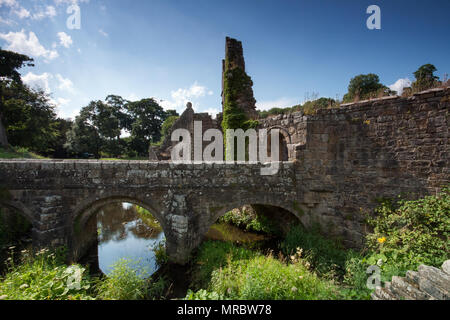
(58, 197)
(342, 161)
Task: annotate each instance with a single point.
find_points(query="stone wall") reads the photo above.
(428, 283)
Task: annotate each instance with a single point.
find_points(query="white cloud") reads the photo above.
(37, 81)
(400, 84)
(279, 103)
(22, 13)
(49, 12)
(180, 97)
(103, 33)
(8, 3)
(19, 42)
(59, 2)
(64, 39)
(65, 84)
(211, 111)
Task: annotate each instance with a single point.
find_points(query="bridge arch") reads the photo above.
(20, 209)
(83, 236)
(287, 213)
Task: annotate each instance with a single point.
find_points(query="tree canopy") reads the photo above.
(365, 86)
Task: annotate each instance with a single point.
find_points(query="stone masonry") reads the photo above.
(428, 283)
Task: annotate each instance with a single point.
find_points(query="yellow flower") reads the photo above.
(381, 240)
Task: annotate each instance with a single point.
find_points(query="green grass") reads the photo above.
(227, 271)
(18, 153)
(43, 276)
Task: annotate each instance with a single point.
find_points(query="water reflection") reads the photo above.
(126, 231)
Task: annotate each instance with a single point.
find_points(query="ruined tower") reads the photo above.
(239, 83)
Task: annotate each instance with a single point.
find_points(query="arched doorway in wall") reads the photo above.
(120, 230)
(284, 139)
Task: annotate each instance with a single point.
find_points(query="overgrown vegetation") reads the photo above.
(45, 276)
(248, 220)
(405, 235)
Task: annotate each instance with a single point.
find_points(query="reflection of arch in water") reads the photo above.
(281, 215)
(84, 229)
(284, 142)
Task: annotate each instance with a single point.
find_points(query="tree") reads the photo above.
(425, 78)
(365, 86)
(100, 122)
(147, 116)
(10, 62)
(167, 125)
(29, 117)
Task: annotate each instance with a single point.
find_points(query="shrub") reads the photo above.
(43, 276)
(409, 233)
(125, 282)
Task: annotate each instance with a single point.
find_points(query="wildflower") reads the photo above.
(294, 289)
(24, 286)
(381, 240)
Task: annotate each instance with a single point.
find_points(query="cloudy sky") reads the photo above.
(172, 50)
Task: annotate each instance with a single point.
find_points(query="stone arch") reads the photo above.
(216, 213)
(20, 209)
(285, 142)
(78, 242)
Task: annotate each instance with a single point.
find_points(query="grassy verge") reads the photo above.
(18, 153)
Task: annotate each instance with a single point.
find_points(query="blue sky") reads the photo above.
(172, 50)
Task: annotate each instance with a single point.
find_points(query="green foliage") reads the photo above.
(147, 117)
(10, 62)
(311, 107)
(160, 253)
(213, 255)
(238, 273)
(234, 117)
(246, 220)
(202, 294)
(406, 234)
(425, 78)
(43, 276)
(409, 233)
(326, 256)
(167, 125)
(18, 153)
(125, 282)
(365, 86)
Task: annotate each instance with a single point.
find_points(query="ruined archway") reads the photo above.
(284, 142)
